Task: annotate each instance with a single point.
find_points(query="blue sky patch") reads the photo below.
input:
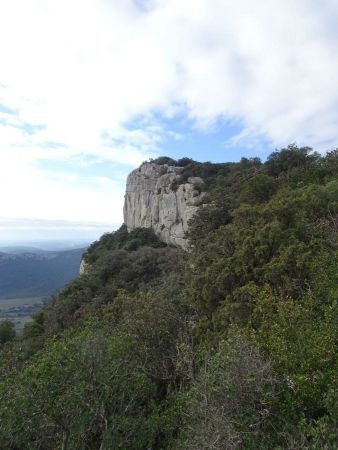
(5, 109)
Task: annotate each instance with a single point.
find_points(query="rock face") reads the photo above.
(83, 267)
(156, 198)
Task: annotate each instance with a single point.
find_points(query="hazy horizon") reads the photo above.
(32, 230)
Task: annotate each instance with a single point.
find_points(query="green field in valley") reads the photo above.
(20, 310)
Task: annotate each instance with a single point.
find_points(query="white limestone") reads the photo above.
(156, 199)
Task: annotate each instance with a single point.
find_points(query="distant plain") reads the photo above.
(20, 310)
(30, 273)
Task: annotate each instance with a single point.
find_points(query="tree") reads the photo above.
(291, 157)
(258, 189)
(7, 331)
(81, 391)
(231, 399)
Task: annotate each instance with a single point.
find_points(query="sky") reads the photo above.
(89, 89)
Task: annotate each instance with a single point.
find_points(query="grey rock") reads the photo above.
(83, 267)
(155, 198)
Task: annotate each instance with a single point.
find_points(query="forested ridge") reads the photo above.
(232, 345)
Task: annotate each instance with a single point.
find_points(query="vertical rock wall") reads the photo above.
(156, 199)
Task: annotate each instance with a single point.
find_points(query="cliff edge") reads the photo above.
(157, 198)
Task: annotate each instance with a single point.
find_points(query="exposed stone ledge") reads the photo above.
(156, 199)
(83, 267)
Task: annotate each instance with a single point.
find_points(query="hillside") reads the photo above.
(37, 273)
(231, 344)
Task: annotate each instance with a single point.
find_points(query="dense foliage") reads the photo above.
(232, 345)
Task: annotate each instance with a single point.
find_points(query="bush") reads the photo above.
(7, 331)
(231, 399)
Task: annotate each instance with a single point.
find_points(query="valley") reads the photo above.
(29, 276)
(20, 310)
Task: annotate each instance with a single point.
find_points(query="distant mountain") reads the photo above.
(18, 250)
(29, 272)
(43, 245)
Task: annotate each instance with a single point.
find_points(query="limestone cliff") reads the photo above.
(83, 266)
(156, 198)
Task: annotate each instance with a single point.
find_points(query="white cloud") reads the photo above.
(81, 70)
(36, 193)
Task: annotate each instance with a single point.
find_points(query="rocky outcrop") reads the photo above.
(83, 267)
(157, 198)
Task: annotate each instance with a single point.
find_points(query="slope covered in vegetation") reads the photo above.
(230, 346)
